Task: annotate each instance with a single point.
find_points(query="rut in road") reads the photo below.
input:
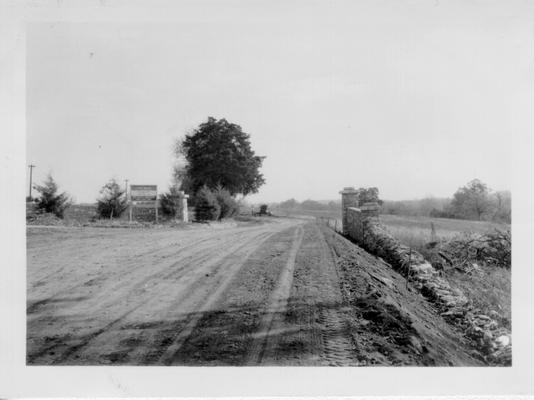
(172, 281)
(230, 268)
(225, 334)
(130, 265)
(313, 328)
(127, 249)
(277, 305)
(263, 294)
(220, 262)
(339, 349)
(258, 295)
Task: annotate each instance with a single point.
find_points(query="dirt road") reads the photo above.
(265, 293)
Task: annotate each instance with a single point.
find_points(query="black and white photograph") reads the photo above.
(272, 184)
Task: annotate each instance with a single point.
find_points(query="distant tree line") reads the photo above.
(306, 205)
(474, 201)
(427, 207)
(364, 195)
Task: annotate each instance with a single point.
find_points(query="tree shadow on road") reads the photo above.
(304, 333)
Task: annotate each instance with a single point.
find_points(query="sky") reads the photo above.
(416, 98)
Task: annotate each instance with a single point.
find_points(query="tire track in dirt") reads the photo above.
(73, 250)
(337, 343)
(224, 334)
(81, 251)
(202, 259)
(198, 297)
(32, 307)
(178, 273)
(277, 305)
(315, 329)
(131, 267)
(229, 268)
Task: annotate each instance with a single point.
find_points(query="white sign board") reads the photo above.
(146, 204)
(143, 193)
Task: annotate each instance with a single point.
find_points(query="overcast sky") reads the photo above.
(414, 98)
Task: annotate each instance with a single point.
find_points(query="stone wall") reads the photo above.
(349, 199)
(362, 226)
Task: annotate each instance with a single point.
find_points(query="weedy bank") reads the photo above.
(474, 256)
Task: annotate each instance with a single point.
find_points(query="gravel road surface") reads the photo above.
(255, 293)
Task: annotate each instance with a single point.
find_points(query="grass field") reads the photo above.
(412, 231)
(416, 231)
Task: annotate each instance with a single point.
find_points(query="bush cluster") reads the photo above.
(491, 248)
(207, 207)
(171, 202)
(228, 204)
(112, 202)
(211, 205)
(50, 201)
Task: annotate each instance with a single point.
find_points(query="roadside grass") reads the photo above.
(416, 232)
(445, 228)
(489, 288)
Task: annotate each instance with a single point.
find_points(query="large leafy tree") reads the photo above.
(472, 201)
(218, 153)
(503, 206)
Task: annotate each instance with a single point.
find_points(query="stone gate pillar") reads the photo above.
(349, 198)
(181, 208)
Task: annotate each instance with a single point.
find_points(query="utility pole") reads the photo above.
(128, 200)
(31, 166)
